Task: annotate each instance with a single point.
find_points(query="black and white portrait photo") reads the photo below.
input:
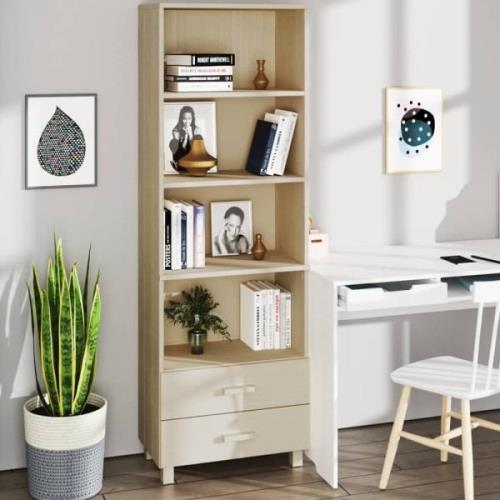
(183, 121)
(231, 227)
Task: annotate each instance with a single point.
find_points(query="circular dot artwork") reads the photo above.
(417, 129)
(61, 147)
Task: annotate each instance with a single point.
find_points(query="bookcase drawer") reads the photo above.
(397, 294)
(208, 391)
(236, 435)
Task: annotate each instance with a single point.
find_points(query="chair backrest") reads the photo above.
(485, 292)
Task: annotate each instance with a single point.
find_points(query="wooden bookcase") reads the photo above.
(230, 402)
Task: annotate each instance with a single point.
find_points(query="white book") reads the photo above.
(251, 316)
(199, 234)
(285, 318)
(276, 313)
(269, 313)
(199, 86)
(198, 70)
(188, 209)
(292, 120)
(175, 211)
(278, 149)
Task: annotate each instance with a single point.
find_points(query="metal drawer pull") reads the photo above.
(234, 438)
(238, 389)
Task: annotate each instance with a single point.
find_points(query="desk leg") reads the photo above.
(323, 333)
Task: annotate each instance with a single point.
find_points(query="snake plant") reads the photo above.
(65, 335)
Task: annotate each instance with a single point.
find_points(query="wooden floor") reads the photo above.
(418, 474)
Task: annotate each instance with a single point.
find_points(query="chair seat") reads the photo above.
(448, 376)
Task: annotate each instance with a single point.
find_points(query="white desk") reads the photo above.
(364, 265)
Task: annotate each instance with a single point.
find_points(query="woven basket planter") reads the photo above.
(65, 455)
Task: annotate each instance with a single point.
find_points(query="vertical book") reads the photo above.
(260, 150)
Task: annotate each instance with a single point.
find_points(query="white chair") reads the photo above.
(451, 378)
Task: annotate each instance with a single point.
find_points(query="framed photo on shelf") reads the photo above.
(60, 140)
(413, 134)
(231, 223)
(182, 122)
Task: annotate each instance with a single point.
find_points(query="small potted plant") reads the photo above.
(195, 313)
(65, 424)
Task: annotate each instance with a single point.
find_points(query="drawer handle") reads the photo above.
(238, 389)
(241, 436)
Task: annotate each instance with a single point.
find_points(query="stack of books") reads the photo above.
(184, 223)
(271, 143)
(199, 72)
(265, 315)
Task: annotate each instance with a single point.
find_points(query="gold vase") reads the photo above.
(260, 81)
(258, 250)
(197, 162)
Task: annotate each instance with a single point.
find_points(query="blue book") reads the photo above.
(262, 144)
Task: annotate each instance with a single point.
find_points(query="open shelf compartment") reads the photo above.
(226, 291)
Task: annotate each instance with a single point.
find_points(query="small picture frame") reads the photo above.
(231, 223)
(413, 132)
(184, 121)
(60, 140)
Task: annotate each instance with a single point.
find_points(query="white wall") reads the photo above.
(358, 47)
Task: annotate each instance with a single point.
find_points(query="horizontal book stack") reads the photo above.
(184, 223)
(265, 315)
(199, 72)
(271, 143)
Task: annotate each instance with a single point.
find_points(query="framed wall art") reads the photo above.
(413, 132)
(61, 140)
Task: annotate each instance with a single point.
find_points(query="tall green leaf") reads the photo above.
(60, 269)
(88, 368)
(47, 355)
(78, 319)
(66, 351)
(37, 298)
(54, 298)
(86, 283)
(35, 333)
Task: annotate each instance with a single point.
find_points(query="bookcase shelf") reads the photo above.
(239, 265)
(278, 34)
(235, 94)
(221, 353)
(236, 177)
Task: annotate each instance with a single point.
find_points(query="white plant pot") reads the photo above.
(65, 455)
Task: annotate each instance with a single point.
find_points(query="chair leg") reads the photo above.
(467, 459)
(445, 423)
(397, 427)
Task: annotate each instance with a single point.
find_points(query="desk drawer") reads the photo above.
(387, 295)
(237, 435)
(208, 391)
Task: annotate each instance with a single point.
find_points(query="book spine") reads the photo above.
(205, 78)
(258, 330)
(168, 238)
(291, 122)
(267, 151)
(183, 240)
(276, 296)
(199, 86)
(175, 233)
(198, 70)
(212, 59)
(199, 236)
(283, 301)
(273, 159)
(288, 321)
(189, 209)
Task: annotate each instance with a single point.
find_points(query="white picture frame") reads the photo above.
(182, 122)
(413, 130)
(231, 227)
(60, 140)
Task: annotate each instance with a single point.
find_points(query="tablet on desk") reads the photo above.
(456, 259)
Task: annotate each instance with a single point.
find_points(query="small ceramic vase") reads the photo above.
(197, 341)
(258, 249)
(260, 81)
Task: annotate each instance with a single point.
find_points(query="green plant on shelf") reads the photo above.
(195, 312)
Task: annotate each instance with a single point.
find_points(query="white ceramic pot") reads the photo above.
(65, 455)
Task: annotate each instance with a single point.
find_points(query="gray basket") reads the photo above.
(69, 474)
